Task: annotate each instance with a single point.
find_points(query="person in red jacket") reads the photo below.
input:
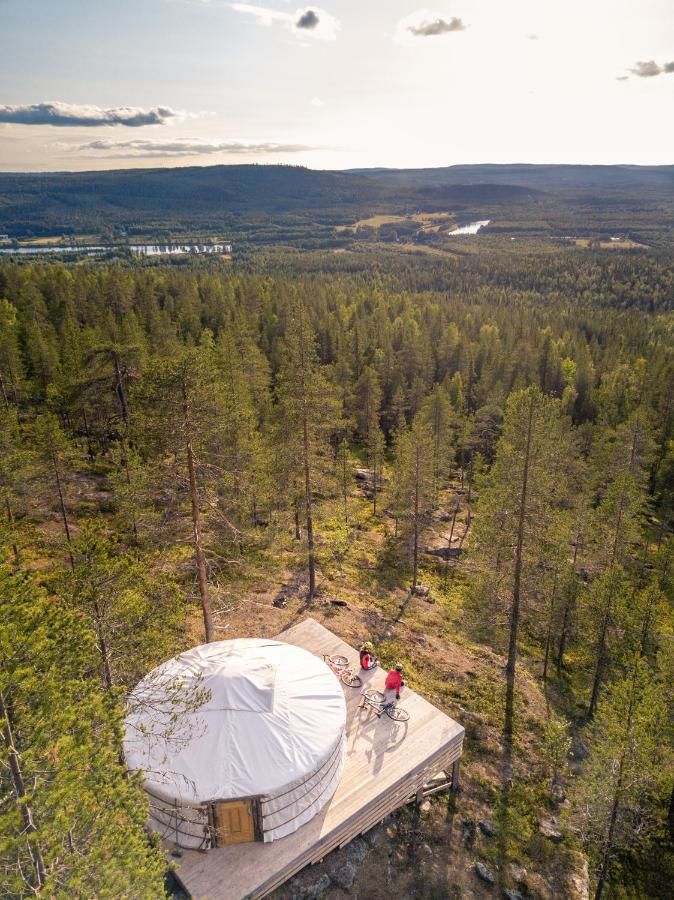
(367, 658)
(394, 680)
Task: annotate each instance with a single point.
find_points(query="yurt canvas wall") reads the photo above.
(262, 750)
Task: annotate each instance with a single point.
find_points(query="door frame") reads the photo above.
(256, 812)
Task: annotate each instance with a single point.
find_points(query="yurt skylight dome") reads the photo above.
(258, 751)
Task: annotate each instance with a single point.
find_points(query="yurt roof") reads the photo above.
(273, 714)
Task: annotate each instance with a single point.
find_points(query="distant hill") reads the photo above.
(283, 202)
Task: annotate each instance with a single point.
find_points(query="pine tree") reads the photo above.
(11, 367)
(516, 519)
(54, 454)
(309, 414)
(179, 413)
(617, 525)
(620, 795)
(136, 617)
(243, 457)
(72, 824)
(14, 468)
(436, 411)
(412, 487)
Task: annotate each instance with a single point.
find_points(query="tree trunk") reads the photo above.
(198, 549)
(196, 526)
(450, 539)
(517, 580)
(415, 570)
(103, 647)
(62, 505)
(344, 488)
(309, 510)
(119, 388)
(550, 624)
(87, 433)
(3, 391)
(568, 611)
(10, 519)
(606, 619)
(29, 827)
(375, 483)
(617, 797)
(125, 464)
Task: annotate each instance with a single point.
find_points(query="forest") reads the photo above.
(474, 454)
(264, 205)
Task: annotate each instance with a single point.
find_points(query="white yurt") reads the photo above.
(236, 741)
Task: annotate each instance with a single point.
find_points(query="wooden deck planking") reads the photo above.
(386, 762)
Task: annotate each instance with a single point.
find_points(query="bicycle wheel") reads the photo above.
(375, 697)
(338, 661)
(397, 714)
(351, 679)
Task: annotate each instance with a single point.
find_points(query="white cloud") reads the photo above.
(426, 23)
(316, 101)
(73, 115)
(650, 69)
(180, 147)
(310, 21)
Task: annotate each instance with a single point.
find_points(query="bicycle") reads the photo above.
(340, 666)
(378, 702)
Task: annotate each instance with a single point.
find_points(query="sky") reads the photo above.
(90, 85)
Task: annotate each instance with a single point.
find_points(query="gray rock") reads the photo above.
(557, 793)
(316, 890)
(518, 873)
(426, 850)
(425, 806)
(486, 828)
(357, 851)
(512, 895)
(483, 873)
(548, 828)
(579, 880)
(344, 876)
(468, 835)
(374, 835)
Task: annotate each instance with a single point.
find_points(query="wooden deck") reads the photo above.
(387, 762)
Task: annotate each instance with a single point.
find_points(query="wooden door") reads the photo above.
(234, 822)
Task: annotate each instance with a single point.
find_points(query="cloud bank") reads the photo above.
(72, 115)
(425, 23)
(149, 149)
(308, 22)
